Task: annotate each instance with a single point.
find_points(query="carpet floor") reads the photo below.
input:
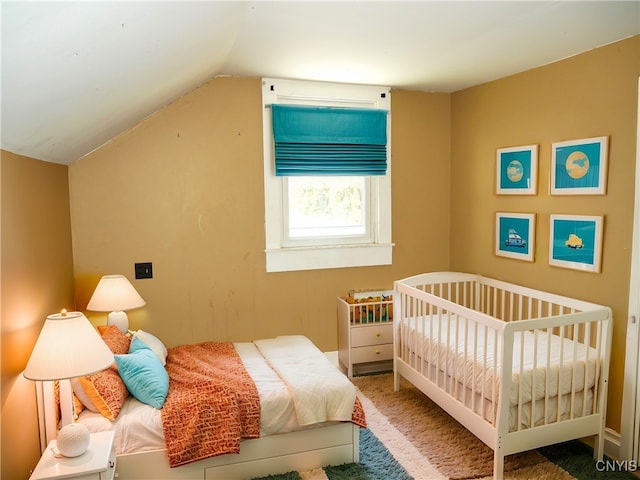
(410, 437)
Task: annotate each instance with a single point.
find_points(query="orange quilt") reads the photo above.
(211, 405)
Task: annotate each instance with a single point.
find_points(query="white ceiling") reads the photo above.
(76, 74)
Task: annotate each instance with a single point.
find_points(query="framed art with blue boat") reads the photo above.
(515, 235)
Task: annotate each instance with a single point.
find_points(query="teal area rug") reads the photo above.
(376, 463)
(576, 458)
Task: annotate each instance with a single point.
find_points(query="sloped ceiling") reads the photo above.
(77, 74)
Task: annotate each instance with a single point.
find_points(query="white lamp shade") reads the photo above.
(115, 293)
(68, 346)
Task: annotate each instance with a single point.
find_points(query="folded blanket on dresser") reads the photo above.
(211, 405)
(320, 391)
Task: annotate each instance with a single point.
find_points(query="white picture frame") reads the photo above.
(575, 241)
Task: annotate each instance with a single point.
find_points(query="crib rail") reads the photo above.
(502, 358)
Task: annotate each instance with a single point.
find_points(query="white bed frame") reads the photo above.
(315, 447)
(500, 309)
(296, 451)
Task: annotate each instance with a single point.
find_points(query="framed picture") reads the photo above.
(579, 167)
(575, 241)
(517, 170)
(515, 234)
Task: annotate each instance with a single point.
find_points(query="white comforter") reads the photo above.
(317, 387)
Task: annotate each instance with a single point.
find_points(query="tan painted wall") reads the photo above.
(184, 190)
(589, 95)
(37, 280)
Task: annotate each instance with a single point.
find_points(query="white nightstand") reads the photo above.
(97, 463)
(365, 336)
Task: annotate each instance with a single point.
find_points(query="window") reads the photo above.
(331, 221)
(326, 211)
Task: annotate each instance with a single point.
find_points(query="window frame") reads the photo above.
(281, 258)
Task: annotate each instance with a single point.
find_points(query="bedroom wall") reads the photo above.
(592, 94)
(184, 190)
(37, 280)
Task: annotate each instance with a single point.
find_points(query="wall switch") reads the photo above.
(144, 270)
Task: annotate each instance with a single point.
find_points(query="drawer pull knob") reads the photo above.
(377, 352)
(378, 334)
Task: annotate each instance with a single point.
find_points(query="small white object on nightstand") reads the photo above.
(73, 440)
(97, 463)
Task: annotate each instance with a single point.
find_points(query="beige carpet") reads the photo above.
(430, 444)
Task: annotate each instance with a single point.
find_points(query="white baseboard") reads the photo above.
(612, 443)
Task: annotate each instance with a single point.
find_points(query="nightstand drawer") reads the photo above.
(365, 335)
(373, 353)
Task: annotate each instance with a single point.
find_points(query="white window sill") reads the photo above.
(334, 256)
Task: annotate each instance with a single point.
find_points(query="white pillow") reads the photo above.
(154, 343)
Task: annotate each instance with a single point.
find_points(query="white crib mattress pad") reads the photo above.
(467, 352)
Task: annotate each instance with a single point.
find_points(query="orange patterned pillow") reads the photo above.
(117, 341)
(78, 407)
(103, 392)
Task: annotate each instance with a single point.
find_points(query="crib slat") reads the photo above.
(573, 377)
(560, 367)
(484, 370)
(599, 355)
(533, 377)
(547, 385)
(456, 343)
(520, 381)
(586, 340)
(495, 394)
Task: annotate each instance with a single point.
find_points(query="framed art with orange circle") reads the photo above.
(579, 167)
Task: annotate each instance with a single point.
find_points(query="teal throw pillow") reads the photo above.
(144, 376)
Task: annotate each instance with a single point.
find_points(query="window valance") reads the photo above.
(312, 140)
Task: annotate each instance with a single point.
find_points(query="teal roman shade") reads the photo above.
(329, 140)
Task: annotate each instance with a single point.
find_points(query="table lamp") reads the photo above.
(68, 347)
(115, 294)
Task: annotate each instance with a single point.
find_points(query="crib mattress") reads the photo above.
(543, 364)
(526, 415)
(138, 427)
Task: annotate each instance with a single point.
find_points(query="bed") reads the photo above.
(517, 367)
(300, 427)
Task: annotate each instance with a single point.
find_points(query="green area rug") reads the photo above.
(410, 437)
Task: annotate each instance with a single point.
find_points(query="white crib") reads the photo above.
(517, 367)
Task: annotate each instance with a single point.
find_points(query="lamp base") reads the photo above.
(120, 320)
(73, 440)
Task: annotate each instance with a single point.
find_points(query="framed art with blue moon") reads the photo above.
(579, 167)
(517, 170)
